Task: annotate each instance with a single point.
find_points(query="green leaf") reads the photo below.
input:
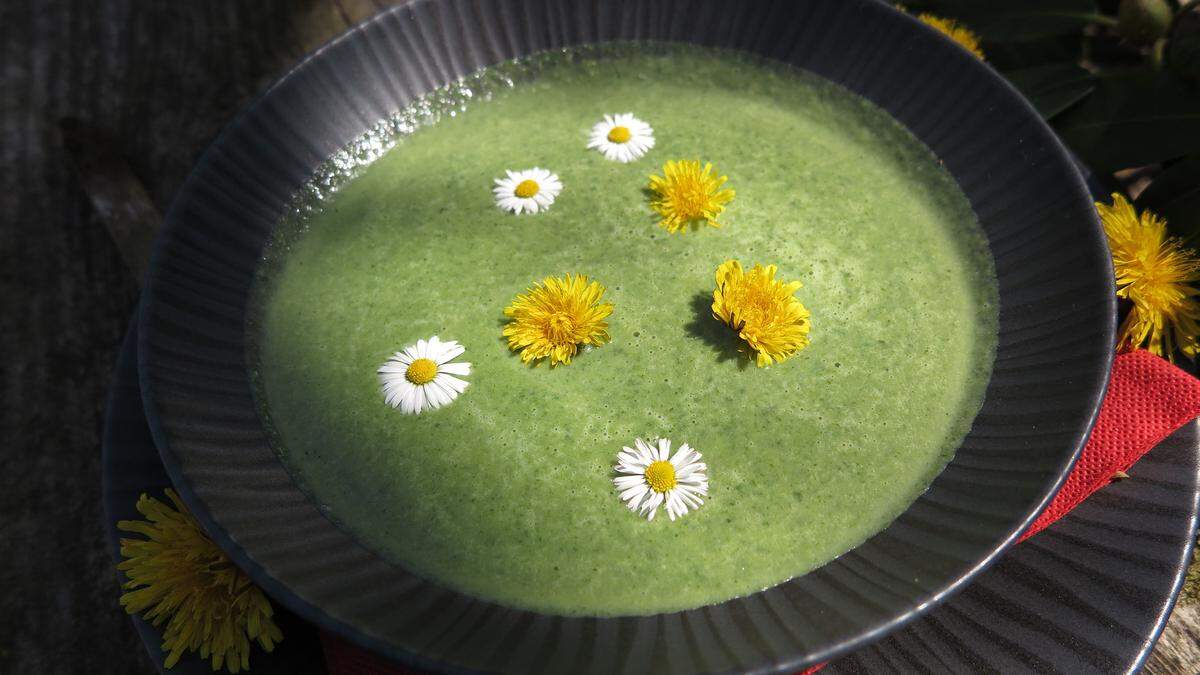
(1054, 88)
(1009, 56)
(1132, 119)
(1018, 20)
(1021, 26)
(1174, 194)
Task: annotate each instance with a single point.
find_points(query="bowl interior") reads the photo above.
(1057, 320)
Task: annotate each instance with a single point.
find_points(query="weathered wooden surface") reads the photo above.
(1178, 650)
(160, 77)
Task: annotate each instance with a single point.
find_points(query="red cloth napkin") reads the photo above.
(1147, 400)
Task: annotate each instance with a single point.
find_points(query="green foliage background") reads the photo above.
(1119, 80)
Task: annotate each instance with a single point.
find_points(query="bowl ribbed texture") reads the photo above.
(1057, 321)
(1088, 595)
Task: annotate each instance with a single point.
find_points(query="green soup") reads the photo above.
(506, 494)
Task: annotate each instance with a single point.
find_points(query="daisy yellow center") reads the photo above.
(660, 476)
(526, 188)
(619, 135)
(688, 193)
(421, 371)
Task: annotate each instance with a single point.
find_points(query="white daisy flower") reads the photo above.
(527, 191)
(651, 476)
(622, 138)
(421, 377)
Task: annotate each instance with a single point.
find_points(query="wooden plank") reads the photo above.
(117, 197)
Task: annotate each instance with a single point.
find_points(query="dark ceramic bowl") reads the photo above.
(1057, 321)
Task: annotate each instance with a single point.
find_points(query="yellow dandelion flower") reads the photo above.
(762, 309)
(555, 316)
(178, 575)
(955, 31)
(688, 194)
(1155, 273)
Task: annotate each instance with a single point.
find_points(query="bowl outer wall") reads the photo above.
(1057, 326)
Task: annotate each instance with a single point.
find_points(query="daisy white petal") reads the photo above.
(439, 393)
(675, 506)
(420, 377)
(621, 138)
(647, 479)
(455, 368)
(395, 393)
(636, 498)
(450, 351)
(651, 505)
(433, 399)
(408, 402)
(681, 454)
(688, 496)
(634, 492)
(528, 191)
(459, 386)
(633, 458)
